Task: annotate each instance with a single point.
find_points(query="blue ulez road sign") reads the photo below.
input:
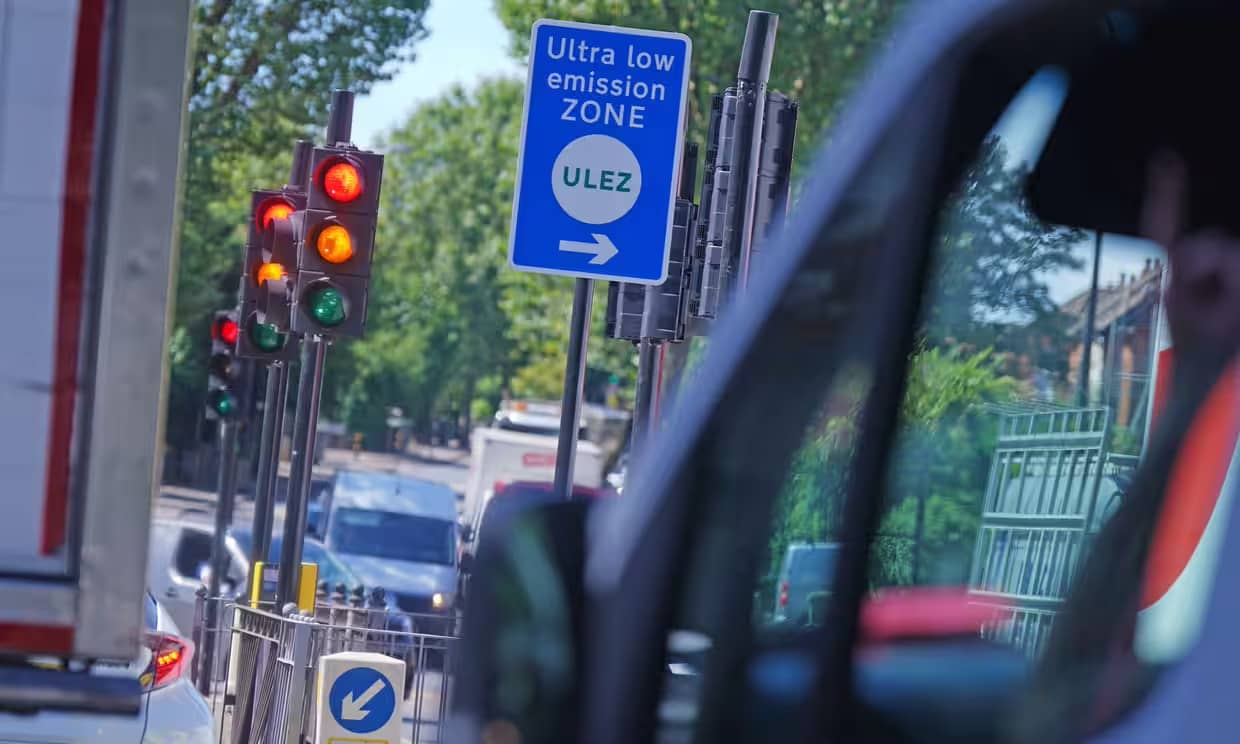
(601, 141)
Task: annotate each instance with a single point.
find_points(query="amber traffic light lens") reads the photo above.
(276, 210)
(342, 181)
(335, 244)
(269, 271)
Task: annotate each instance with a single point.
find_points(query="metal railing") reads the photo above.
(261, 682)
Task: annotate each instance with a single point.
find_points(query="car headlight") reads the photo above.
(439, 600)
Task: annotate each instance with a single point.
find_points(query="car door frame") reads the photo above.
(639, 546)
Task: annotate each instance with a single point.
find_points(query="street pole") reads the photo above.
(1087, 336)
(574, 379)
(268, 463)
(305, 424)
(752, 77)
(226, 488)
(274, 404)
(643, 401)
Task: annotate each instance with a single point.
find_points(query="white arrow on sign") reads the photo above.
(602, 248)
(353, 709)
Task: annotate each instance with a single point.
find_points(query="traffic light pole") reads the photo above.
(268, 462)
(274, 404)
(309, 388)
(225, 493)
(574, 378)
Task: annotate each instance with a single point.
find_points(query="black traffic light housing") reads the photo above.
(336, 245)
(266, 294)
(223, 369)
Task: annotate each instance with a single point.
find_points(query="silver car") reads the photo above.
(171, 712)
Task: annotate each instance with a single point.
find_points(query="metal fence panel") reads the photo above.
(263, 681)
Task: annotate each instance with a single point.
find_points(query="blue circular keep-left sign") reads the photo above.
(362, 700)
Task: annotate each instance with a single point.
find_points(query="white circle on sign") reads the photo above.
(596, 179)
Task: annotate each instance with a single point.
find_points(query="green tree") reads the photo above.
(995, 256)
(262, 75)
(436, 327)
(940, 463)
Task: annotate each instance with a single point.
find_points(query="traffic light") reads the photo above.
(223, 369)
(337, 241)
(270, 258)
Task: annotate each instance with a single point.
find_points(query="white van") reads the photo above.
(399, 533)
(501, 457)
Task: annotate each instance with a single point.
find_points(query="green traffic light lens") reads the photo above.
(327, 306)
(265, 337)
(223, 403)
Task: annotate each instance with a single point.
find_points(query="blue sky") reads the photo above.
(466, 43)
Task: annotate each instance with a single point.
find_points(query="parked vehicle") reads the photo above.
(172, 710)
(503, 457)
(806, 568)
(181, 554)
(399, 533)
(180, 559)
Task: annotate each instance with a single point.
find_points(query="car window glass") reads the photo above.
(193, 549)
(390, 535)
(1028, 395)
(1027, 400)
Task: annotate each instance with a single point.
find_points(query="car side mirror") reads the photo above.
(528, 579)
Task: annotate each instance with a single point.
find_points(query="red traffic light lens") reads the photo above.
(276, 209)
(226, 330)
(342, 181)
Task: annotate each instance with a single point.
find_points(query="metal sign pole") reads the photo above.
(268, 462)
(574, 379)
(225, 492)
(755, 70)
(643, 401)
(305, 424)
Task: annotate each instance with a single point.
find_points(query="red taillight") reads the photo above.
(498, 488)
(783, 594)
(170, 657)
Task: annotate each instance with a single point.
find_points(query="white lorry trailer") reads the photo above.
(92, 100)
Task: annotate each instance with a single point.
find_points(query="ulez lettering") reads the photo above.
(603, 180)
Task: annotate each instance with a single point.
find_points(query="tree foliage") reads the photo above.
(262, 76)
(941, 457)
(995, 257)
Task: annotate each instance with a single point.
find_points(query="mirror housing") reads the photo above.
(528, 582)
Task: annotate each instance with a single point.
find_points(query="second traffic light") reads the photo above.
(223, 371)
(337, 242)
(270, 257)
